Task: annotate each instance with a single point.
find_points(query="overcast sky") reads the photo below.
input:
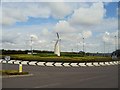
(96, 22)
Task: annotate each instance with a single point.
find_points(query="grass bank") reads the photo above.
(51, 58)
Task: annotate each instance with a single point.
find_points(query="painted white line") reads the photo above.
(92, 78)
(32, 63)
(47, 85)
(102, 63)
(4, 61)
(1, 60)
(82, 64)
(96, 64)
(74, 64)
(11, 61)
(58, 64)
(66, 64)
(17, 62)
(41, 63)
(111, 63)
(107, 63)
(118, 62)
(115, 62)
(89, 64)
(24, 62)
(49, 64)
(12, 76)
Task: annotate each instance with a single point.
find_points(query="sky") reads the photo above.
(96, 22)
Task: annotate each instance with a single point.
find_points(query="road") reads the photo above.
(63, 77)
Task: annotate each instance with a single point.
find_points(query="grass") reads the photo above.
(62, 58)
(12, 72)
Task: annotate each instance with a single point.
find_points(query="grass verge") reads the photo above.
(12, 72)
(26, 57)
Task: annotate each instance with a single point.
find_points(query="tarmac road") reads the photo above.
(63, 77)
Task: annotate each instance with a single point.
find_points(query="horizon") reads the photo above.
(53, 51)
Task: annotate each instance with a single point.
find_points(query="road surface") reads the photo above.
(63, 77)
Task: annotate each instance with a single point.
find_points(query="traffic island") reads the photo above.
(12, 72)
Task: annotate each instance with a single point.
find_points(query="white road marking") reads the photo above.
(111, 63)
(41, 63)
(24, 62)
(49, 64)
(89, 64)
(96, 64)
(47, 85)
(1, 60)
(74, 64)
(12, 76)
(116, 62)
(107, 63)
(61, 64)
(85, 79)
(102, 63)
(82, 64)
(17, 62)
(4, 61)
(58, 64)
(11, 61)
(66, 64)
(32, 63)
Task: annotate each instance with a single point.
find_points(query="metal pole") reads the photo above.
(72, 50)
(77, 47)
(118, 42)
(104, 48)
(31, 46)
(83, 44)
(115, 43)
(25, 45)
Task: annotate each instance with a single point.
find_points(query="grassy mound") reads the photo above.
(12, 72)
(53, 58)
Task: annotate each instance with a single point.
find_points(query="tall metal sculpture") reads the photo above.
(57, 46)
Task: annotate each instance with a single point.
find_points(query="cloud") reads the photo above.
(21, 37)
(22, 11)
(106, 36)
(35, 40)
(46, 32)
(34, 37)
(59, 9)
(12, 14)
(110, 37)
(10, 37)
(88, 16)
(72, 21)
(87, 34)
(63, 27)
(110, 24)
